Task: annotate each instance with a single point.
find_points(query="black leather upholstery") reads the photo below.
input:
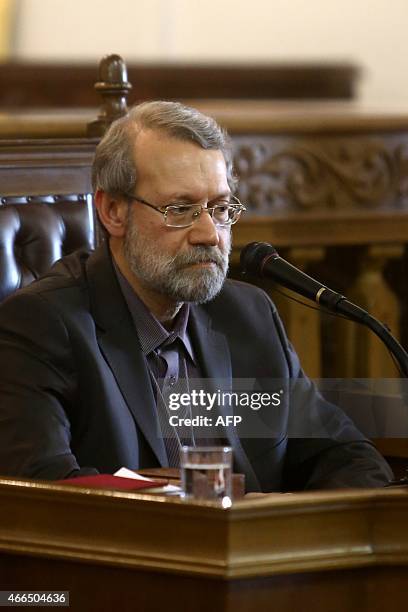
(36, 231)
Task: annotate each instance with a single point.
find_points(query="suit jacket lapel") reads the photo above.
(119, 344)
(210, 346)
(213, 354)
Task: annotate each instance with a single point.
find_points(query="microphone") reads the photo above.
(261, 259)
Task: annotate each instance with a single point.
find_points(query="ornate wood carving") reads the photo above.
(280, 174)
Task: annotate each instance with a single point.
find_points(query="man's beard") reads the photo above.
(175, 276)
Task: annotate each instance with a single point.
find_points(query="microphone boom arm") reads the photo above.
(261, 259)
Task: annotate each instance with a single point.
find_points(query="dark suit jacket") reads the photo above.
(76, 397)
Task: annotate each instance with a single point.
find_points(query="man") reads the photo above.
(90, 352)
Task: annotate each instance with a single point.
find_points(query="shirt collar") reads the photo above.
(150, 331)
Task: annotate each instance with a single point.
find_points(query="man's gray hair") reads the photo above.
(114, 171)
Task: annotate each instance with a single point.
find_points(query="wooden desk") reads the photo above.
(336, 551)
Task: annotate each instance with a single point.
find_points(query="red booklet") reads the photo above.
(108, 481)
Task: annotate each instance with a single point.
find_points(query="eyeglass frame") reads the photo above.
(163, 210)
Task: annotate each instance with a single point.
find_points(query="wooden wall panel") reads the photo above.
(33, 85)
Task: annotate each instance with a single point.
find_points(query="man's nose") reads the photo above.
(204, 231)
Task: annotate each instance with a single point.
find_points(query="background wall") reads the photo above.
(370, 33)
(6, 13)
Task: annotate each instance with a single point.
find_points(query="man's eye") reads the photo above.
(181, 210)
(223, 203)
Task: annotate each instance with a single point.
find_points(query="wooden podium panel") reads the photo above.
(339, 551)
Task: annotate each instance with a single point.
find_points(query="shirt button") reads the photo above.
(172, 380)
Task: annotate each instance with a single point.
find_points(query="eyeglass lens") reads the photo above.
(179, 216)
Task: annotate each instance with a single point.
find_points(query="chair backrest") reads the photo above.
(36, 231)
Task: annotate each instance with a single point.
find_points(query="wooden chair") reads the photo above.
(46, 207)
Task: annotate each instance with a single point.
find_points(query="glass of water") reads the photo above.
(206, 473)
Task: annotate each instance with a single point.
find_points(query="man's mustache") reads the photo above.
(201, 254)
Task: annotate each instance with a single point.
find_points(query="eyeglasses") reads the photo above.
(226, 212)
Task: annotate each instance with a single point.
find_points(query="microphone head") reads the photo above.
(253, 256)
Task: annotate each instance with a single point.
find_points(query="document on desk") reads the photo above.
(168, 489)
(123, 479)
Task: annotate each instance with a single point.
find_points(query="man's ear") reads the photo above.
(112, 213)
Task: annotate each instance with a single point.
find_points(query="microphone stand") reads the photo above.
(390, 342)
(355, 313)
(262, 259)
(401, 356)
(256, 255)
(395, 348)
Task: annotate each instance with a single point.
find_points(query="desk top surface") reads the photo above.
(255, 537)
